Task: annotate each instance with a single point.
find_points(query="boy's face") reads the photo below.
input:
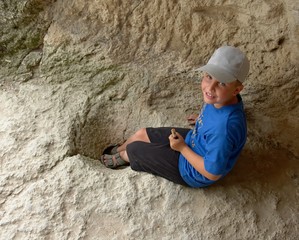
(219, 94)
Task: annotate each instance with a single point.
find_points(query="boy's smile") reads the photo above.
(219, 94)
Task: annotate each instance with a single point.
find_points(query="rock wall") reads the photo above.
(77, 75)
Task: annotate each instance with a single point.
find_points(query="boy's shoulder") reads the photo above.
(225, 111)
(221, 118)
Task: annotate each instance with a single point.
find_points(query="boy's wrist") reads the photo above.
(184, 148)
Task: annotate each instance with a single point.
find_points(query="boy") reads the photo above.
(198, 157)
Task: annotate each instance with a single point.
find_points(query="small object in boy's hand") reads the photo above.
(173, 133)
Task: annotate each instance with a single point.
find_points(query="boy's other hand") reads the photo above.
(192, 119)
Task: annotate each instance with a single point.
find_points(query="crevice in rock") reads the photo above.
(92, 131)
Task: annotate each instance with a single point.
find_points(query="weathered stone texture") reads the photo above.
(76, 75)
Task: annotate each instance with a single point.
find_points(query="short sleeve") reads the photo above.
(223, 147)
(218, 152)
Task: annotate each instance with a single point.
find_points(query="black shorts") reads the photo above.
(157, 157)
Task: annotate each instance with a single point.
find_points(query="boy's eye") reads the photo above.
(222, 84)
(208, 76)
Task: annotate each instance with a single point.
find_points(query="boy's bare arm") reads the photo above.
(194, 159)
(197, 162)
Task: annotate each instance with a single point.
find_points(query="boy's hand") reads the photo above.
(192, 119)
(176, 141)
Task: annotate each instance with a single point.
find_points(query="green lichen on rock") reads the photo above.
(22, 26)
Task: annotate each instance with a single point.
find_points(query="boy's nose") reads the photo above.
(212, 85)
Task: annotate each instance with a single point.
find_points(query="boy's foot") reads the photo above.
(113, 161)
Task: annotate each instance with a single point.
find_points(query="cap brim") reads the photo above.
(217, 73)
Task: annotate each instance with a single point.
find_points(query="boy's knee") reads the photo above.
(141, 133)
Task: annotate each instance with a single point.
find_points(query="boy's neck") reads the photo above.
(233, 101)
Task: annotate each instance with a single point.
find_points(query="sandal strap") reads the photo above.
(111, 149)
(113, 161)
(114, 149)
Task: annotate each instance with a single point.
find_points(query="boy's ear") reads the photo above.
(238, 89)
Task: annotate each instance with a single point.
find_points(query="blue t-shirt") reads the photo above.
(218, 136)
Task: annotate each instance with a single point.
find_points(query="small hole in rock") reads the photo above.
(94, 131)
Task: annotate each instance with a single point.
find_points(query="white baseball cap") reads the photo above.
(227, 64)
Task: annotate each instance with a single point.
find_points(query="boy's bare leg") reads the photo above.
(124, 156)
(140, 135)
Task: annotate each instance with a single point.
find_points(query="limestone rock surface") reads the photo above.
(78, 75)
